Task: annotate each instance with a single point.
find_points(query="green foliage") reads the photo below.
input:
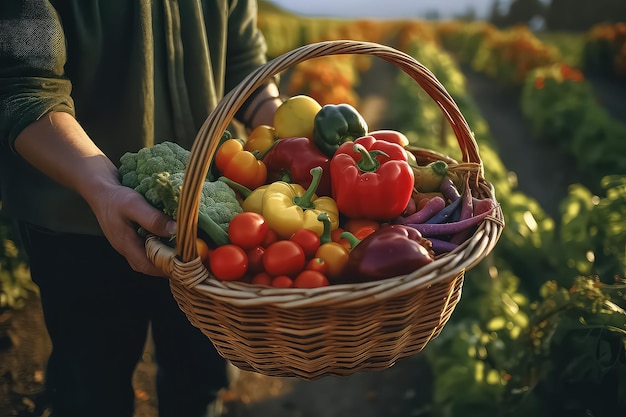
(570, 45)
(572, 358)
(471, 356)
(481, 357)
(593, 230)
(562, 109)
(15, 282)
(415, 112)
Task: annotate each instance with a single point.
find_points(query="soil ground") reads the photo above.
(402, 390)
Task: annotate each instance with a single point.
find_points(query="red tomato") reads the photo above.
(228, 262)
(262, 278)
(282, 281)
(363, 232)
(247, 230)
(270, 238)
(353, 225)
(308, 240)
(283, 257)
(317, 264)
(255, 259)
(310, 279)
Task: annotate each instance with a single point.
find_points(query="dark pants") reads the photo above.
(97, 311)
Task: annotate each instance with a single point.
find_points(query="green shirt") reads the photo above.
(132, 72)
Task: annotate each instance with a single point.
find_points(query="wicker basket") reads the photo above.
(335, 330)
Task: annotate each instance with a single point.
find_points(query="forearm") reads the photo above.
(259, 110)
(58, 146)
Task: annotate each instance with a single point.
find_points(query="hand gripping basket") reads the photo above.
(335, 330)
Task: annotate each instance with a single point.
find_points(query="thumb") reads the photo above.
(156, 222)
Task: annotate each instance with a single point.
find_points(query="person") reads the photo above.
(81, 83)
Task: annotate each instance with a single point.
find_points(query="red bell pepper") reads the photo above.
(291, 160)
(371, 179)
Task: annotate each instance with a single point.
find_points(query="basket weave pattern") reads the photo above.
(335, 330)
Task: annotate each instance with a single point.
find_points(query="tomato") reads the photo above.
(310, 279)
(363, 232)
(203, 251)
(335, 255)
(255, 259)
(228, 262)
(260, 139)
(270, 238)
(317, 264)
(247, 230)
(308, 240)
(353, 225)
(361, 228)
(392, 136)
(283, 257)
(262, 278)
(282, 281)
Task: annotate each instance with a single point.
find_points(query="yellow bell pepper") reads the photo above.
(252, 199)
(289, 207)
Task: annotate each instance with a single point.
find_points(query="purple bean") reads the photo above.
(441, 246)
(449, 228)
(449, 190)
(432, 207)
(444, 215)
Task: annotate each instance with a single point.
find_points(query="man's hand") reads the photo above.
(58, 146)
(120, 211)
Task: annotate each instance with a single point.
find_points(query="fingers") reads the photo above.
(135, 253)
(120, 214)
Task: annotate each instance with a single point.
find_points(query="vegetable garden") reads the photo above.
(541, 326)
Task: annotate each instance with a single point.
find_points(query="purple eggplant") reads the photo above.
(390, 251)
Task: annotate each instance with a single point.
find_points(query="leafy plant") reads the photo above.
(572, 358)
(593, 230)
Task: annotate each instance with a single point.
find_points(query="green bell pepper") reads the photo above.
(335, 124)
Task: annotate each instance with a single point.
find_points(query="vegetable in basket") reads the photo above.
(371, 179)
(334, 254)
(218, 202)
(157, 171)
(252, 199)
(292, 159)
(336, 124)
(161, 157)
(289, 207)
(240, 165)
(428, 178)
(390, 251)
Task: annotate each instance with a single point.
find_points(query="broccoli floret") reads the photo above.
(218, 202)
(157, 173)
(161, 157)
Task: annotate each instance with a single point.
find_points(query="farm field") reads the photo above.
(541, 327)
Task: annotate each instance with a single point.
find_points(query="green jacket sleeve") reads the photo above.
(31, 73)
(246, 46)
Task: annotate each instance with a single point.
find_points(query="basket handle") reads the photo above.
(207, 139)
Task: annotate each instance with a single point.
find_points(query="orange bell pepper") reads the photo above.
(239, 165)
